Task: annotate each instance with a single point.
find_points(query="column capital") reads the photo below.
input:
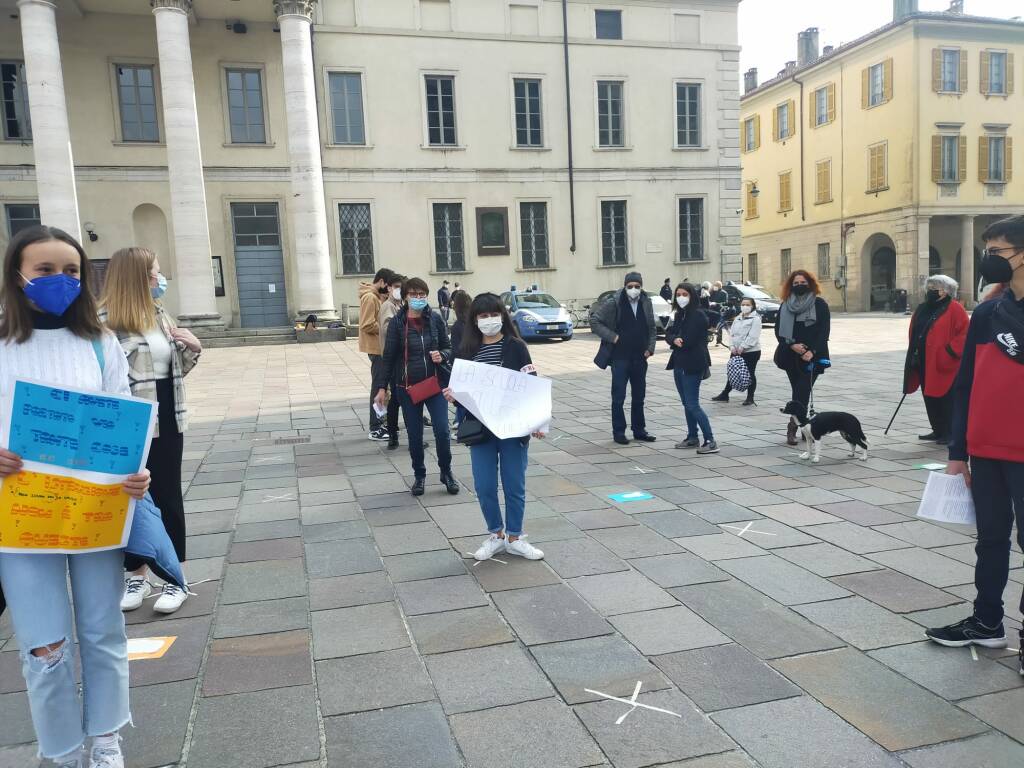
(185, 6)
(295, 8)
(50, 3)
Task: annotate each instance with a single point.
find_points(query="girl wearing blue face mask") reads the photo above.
(159, 355)
(50, 332)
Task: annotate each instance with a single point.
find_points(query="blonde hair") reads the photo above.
(127, 298)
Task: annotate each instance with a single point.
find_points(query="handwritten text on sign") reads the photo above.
(509, 403)
(78, 430)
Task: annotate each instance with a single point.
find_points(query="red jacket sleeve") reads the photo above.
(958, 329)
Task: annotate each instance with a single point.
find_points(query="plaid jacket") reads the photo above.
(141, 376)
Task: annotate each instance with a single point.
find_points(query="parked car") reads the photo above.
(767, 305)
(538, 315)
(663, 313)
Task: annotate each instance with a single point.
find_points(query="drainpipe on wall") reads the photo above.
(845, 226)
(568, 122)
(803, 213)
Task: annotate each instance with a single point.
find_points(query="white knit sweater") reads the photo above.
(60, 358)
(745, 333)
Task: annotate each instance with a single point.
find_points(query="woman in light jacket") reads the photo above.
(159, 355)
(745, 342)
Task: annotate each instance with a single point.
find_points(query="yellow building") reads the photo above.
(879, 162)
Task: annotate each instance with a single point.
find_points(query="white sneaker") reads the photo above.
(74, 759)
(106, 755)
(136, 589)
(171, 600)
(492, 546)
(523, 548)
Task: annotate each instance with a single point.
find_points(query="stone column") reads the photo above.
(197, 304)
(51, 136)
(916, 287)
(307, 212)
(968, 284)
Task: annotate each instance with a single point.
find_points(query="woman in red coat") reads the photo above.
(937, 333)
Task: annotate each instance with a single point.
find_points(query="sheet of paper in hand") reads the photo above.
(77, 447)
(947, 499)
(509, 403)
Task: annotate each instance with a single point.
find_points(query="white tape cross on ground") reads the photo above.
(746, 529)
(632, 702)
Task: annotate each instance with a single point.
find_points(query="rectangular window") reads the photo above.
(687, 115)
(492, 231)
(20, 216)
(137, 99)
(876, 84)
(786, 262)
(608, 24)
(997, 72)
(752, 267)
(997, 158)
(356, 238)
(255, 224)
(245, 106)
(529, 130)
(347, 107)
(14, 100)
(609, 114)
(751, 201)
(823, 181)
(950, 70)
(449, 246)
(614, 233)
(877, 167)
(750, 137)
(821, 106)
(950, 159)
(533, 226)
(785, 121)
(786, 191)
(824, 259)
(691, 229)
(441, 110)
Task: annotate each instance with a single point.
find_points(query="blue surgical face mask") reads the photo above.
(161, 287)
(53, 293)
(418, 304)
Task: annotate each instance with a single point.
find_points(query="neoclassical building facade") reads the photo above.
(274, 153)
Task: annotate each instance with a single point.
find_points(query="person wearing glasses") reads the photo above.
(415, 351)
(986, 446)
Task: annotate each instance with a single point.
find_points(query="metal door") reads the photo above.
(259, 265)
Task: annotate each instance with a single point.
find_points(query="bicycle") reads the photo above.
(580, 318)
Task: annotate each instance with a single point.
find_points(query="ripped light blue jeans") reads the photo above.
(37, 597)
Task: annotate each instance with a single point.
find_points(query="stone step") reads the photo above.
(249, 341)
(216, 333)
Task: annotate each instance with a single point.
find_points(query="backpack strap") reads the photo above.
(97, 348)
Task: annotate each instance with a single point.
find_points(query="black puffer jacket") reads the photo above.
(690, 325)
(434, 336)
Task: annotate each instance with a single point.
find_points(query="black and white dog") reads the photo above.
(821, 424)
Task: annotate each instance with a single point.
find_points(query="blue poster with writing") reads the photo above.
(79, 430)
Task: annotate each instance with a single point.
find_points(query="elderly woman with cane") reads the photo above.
(938, 330)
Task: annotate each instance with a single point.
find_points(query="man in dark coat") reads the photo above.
(625, 324)
(666, 290)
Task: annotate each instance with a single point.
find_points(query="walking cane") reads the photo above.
(894, 413)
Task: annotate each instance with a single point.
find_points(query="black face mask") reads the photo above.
(801, 290)
(996, 269)
(932, 297)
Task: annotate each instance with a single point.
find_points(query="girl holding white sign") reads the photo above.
(51, 332)
(491, 338)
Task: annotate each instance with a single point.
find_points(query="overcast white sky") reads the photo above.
(768, 28)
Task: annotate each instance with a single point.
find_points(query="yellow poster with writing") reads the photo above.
(44, 512)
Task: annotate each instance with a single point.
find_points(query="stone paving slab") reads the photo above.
(256, 663)
(581, 557)
(623, 592)
(667, 630)
(1000, 710)
(895, 591)
(457, 677)
(349, 591)
(458, 630)
(950, 672)
(424, 565)
(372, 681)
(356, 630)
(782, 581)
(395, 738)
(861, 623)
(988, 751)
(549, 615)
(926, 566)
(826, 559)
(678, 570)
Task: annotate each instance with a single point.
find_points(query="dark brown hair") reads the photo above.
(472, 339)
(1011, 229)
(787, 287)
(461, 303)
(415, 284)
(82, 317)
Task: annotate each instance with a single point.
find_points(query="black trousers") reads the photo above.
(801, 381)
(164, 464)
(751, 359)
(632, 371)
(940, 413)
(376, 363)
(998, 491)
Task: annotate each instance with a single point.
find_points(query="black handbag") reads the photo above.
(472, 431)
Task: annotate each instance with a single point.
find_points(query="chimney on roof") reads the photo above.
(807, 46)
(750, 80)
(790, 68)
(901, 9)
(956, 7)
(827, 50)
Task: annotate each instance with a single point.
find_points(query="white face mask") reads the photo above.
(396, 294)
(746, 309)
(489, 326)
(633, 293)
(682, 301)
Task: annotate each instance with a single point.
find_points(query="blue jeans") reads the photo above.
(36, 590)
(634, 372)
(509, 457)
(688, 385)
(412, 413)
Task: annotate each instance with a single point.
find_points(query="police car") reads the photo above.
(538, 315)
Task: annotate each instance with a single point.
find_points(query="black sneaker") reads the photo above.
(929, 436)
(1020, 653)
(392, 442)
(621, 439)
(380, 434)
(450, 483)
(645, 438)
(722, 398)
(418, 486)
(970, 631)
